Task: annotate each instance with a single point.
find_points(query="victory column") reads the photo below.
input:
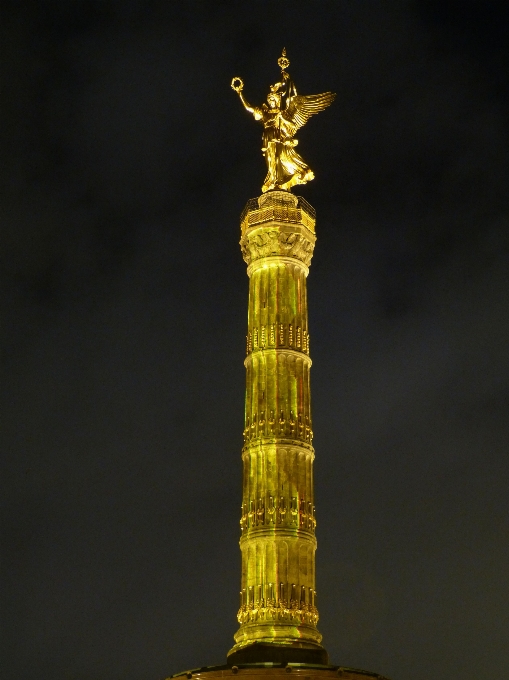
(278, 612)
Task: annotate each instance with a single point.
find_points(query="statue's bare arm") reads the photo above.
(238, 86)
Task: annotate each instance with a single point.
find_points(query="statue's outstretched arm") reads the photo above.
(247, 106)
(238, 86)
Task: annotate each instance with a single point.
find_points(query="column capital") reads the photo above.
(277, 225)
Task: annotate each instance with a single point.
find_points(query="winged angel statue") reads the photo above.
(284, 113)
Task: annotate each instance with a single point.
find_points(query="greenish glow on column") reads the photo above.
(278, 544)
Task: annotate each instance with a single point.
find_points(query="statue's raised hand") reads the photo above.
(237, 84)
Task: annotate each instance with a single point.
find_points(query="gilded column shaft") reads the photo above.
(278, 597)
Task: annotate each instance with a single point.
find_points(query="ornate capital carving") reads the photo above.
(278, 240)
(278, 224)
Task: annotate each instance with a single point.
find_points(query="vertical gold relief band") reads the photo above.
(277, 601)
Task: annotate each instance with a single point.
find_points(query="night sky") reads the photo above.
(126, 161)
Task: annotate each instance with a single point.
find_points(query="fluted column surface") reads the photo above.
(278, 596)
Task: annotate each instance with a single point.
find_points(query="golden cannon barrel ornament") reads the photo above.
(278, 612)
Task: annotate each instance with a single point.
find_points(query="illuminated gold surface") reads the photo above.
(277, 612)
(278, 596)
(284, 113)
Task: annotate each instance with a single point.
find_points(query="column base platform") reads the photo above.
(275, 671)
(297, 652)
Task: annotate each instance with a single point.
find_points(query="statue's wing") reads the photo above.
(301, 108)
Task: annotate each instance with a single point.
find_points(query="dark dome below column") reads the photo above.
(297, 652)
(268, 670)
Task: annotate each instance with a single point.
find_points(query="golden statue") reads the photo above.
(285, 113)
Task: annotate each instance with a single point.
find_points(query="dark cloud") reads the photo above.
(126, 160)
